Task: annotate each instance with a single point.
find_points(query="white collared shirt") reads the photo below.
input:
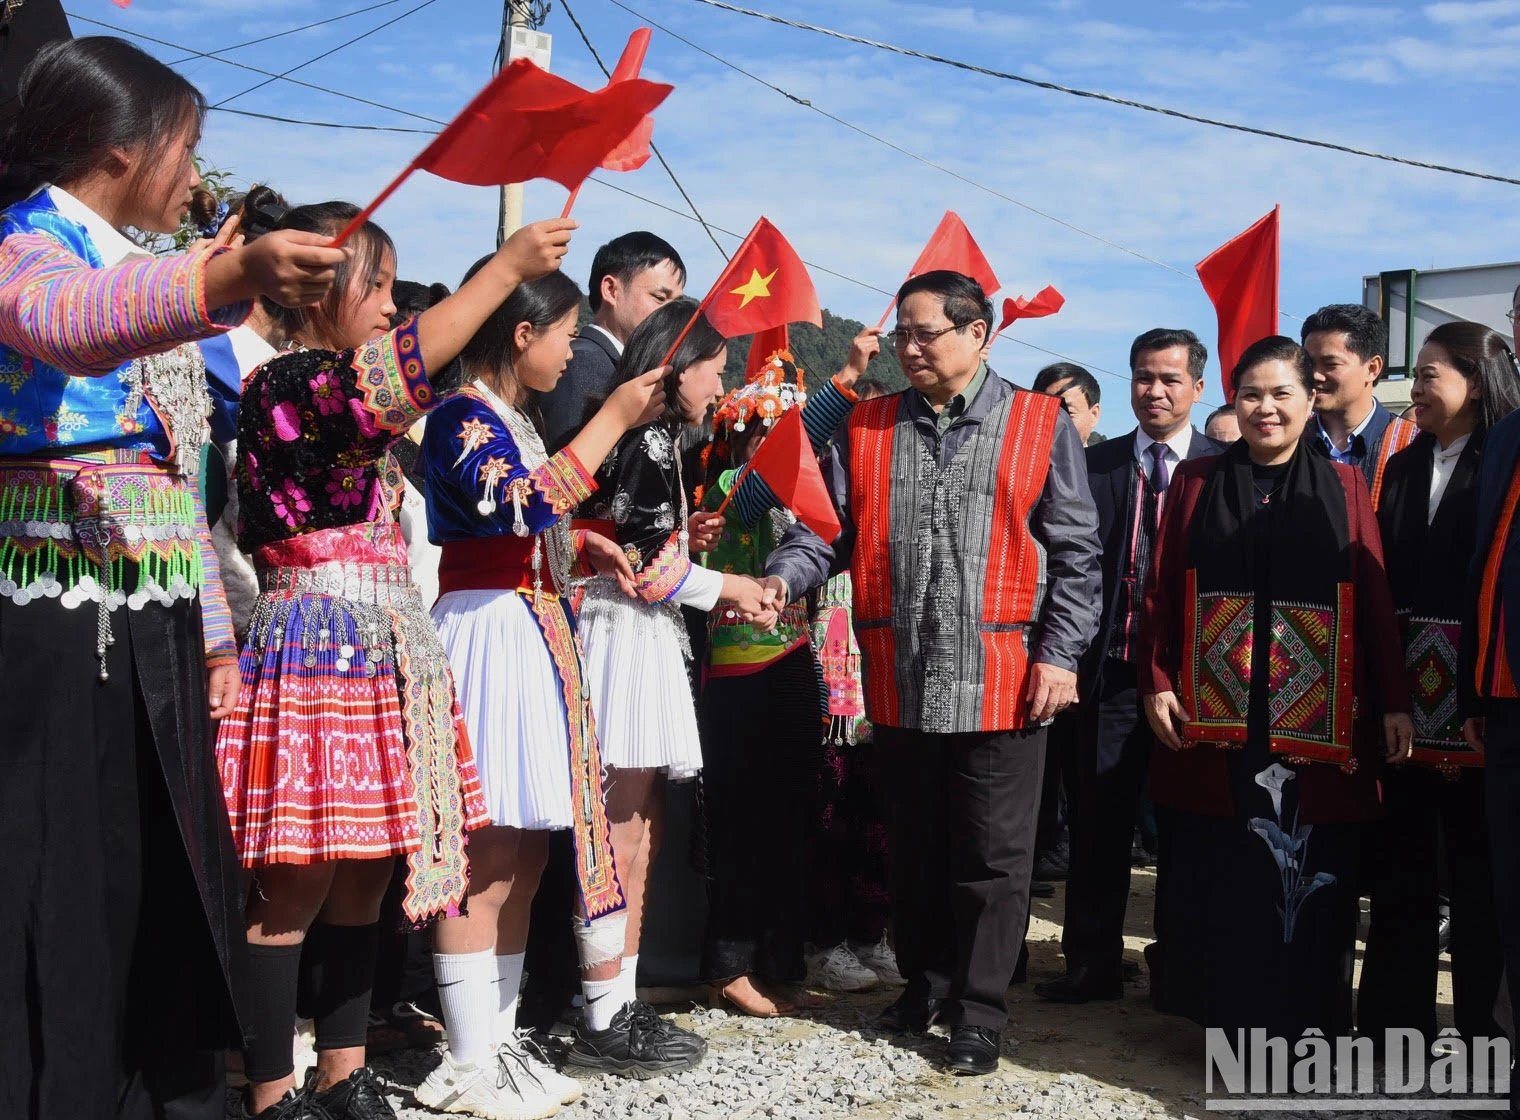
(617, 347)
(110, 243)
(1442, 466)
(1176, 450)
(1336, 453)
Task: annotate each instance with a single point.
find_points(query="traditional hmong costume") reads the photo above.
(346, 743)
(1268, 614)
(1429, 524)
(110, 614)
(760, 719)
(499, 507)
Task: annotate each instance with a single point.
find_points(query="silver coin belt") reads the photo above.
(347, 607)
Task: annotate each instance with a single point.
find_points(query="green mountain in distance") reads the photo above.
(820, 353)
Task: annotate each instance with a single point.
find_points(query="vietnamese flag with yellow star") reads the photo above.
(764, 285)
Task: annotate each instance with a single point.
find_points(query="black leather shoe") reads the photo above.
(1081, 985)
(1038, 889)
(910, 1014)
(973, 1050)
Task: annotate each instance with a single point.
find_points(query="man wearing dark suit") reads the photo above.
(631, 275)
(1128, 477)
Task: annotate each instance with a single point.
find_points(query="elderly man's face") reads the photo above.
(1083, 415)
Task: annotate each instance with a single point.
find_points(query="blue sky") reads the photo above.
(1433, 81)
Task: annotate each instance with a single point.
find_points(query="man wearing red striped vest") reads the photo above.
(972, 539)
(1347, 342)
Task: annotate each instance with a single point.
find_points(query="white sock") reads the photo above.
(626, 980)
(601, 1002)
(467, 991)
(509, 970)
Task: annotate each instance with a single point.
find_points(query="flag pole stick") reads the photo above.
(734, 489)
(363, 215)
(569, 202)
(885, 315)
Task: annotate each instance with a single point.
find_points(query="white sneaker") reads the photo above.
(537, 1069)
(837, 970)
(880, 959)
(495, 1090)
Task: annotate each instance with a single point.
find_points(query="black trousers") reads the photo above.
(1402, 875)
(1501, 782)
(961, 816)
(1059, 784)
(1113, 754)
(760, 752)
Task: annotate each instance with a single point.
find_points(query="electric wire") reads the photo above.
(287, 31)
(1109, 98)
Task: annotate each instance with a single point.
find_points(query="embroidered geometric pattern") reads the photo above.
(1225, 635)
(1430, 655)
(1298, 676)
(595, 869)
(391, 380)
(563, 481)
(663, 576)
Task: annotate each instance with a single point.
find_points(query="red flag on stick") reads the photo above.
(634, 152)
(787, 464)
(762, 346)
(763, 285)
(1241, 279)
(952, 247)
(1046, 302)
(530, 124)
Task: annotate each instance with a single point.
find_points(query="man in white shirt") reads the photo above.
(631, 276)
(1129, 478)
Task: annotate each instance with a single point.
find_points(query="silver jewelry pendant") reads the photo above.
(486, 507)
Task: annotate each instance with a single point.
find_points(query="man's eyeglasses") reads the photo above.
(1510, 314)
(917, 336)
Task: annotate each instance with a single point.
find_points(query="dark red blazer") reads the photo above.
(1197, 778)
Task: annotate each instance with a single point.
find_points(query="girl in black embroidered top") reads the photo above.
(637, 649)
(1465, 381)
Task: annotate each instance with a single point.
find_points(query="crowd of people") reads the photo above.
(334, 605)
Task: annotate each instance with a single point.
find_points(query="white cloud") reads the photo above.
(1481, 11)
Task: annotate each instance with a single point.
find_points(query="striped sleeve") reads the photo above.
(826, 410)
(88, 321)
(216, 616)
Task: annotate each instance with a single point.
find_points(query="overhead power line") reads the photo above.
(1110, 98)
(192, 53)
(318, 58)
(287, 31)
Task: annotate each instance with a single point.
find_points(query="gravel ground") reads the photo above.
(1103, 1061)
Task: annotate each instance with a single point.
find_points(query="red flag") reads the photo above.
(1241, 279)
(952, 247)
(764, 285)
(530, 124)
(787, 464)
(1047, 302)
(764, 344)
(633, 153)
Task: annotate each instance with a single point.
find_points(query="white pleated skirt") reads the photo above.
(636, 654)
(513, 704)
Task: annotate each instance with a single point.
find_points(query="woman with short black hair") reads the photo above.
(1273, 682)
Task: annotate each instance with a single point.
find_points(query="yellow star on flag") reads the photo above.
(755, 287)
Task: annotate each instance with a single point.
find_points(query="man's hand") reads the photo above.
(1474, 728)
(222, 690)
(607, 559)
(777, 594)
(703, 531)
(1398, 736)
(1051, 690)
(1166, 715)
(866, 345)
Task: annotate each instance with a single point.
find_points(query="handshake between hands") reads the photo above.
(759, 601)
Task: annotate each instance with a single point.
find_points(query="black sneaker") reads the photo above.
(356, 1097)
(297, 1104)
(639, 1044)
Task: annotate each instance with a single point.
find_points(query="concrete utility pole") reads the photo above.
(520, 39)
